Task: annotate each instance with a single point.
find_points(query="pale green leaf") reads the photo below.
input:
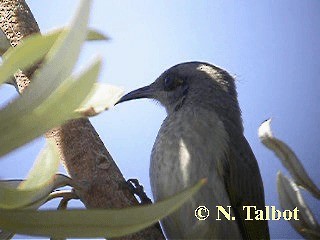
(40, 197)
(44, 168)
(58, 65)
(10, 183)
(38, 184)
(287, 157)
(41, 194)
(53, 111)
(291, 198)
(4, 43)
(101, 97)
(94, 35)
(92, 223)
(33, 49)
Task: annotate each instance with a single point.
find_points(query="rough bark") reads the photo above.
(82, 152)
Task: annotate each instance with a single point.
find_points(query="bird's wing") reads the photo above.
(245, 188)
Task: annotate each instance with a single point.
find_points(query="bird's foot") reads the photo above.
(138, 190)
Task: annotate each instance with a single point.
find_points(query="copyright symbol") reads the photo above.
(202, 213)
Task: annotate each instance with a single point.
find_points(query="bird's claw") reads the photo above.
(138, 190)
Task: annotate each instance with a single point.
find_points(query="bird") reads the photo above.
(202, 136)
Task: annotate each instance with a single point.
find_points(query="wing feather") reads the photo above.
(245, 188)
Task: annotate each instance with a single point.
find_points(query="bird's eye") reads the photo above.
(171, 83)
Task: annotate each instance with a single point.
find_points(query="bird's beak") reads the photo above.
(144, 92)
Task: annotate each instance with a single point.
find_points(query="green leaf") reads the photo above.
(33, 49)
(23, 56)
(58, 66)
(288, 158)
(44, 167)
(42, 194)
(17, 194)
(31, 114)
(92, 223)
(94, 35)
(290, 198)
(4, 43)
(101, 97)
(53, 111)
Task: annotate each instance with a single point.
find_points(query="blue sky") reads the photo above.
(272, 47)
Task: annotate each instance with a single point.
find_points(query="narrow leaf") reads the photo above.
(42, 193)
(23, 56)
(33, 49)
(59, 180)
(58, 66)
(4, 43)
(291, 198)
(92, 223)
(10, 183)
(94, 35)
(37, 186)
(44, 168)
(288, 158)
(49, 114)
(101, 97)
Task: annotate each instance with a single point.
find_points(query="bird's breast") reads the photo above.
(189, 146)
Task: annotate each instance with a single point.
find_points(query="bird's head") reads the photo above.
(196, 84)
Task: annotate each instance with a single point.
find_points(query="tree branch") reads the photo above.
(82, 152)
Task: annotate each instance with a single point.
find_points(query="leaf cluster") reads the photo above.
(55, 96)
